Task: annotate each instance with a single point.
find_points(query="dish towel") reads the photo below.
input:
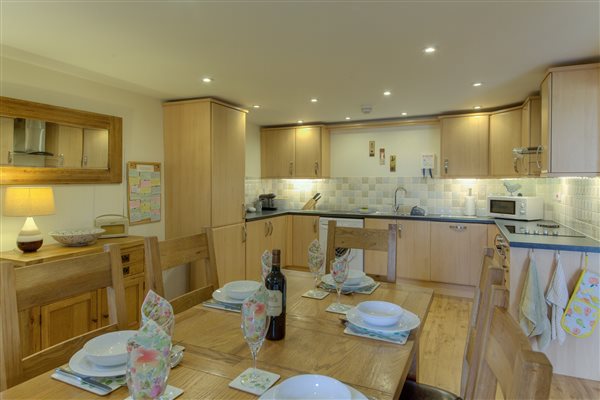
(557, 296)
(533, 316)
(583, 310)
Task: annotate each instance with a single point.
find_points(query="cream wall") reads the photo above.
(78, 205)
(350, 150)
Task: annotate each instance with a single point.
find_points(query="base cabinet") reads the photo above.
(413, 260)
(305, 229)
(261, 235)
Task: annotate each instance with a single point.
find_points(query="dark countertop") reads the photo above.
(525, 241)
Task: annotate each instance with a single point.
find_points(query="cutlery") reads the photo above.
(85, 379)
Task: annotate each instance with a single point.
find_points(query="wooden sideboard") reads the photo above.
(45, 326)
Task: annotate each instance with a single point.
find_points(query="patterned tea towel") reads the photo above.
(533, 316)
(583, 309)
(557, 296)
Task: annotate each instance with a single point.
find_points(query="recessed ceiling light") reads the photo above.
(387, 93)
(429, 50)
(477, 84)
(314, 100)
(476, 107)
(256, 106)
(300, 121)
(348, 118)
(404, 114)
(207, 80)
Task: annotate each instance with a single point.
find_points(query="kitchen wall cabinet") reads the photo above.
(230, 252)
(570, 127)
(413, 259)
(464, 146)
(530, 136)
(66, 143)
(301, 152)
(95, 148)
(41, 327)
(305, 229)
(457, 252)
(261, 235)
(505, 135)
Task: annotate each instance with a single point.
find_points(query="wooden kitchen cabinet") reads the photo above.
(95, 148)
(41, 327)
(457, 252)
(570, 127)
(230, 252)
(305, 229)
(464, 146)
(66, 143)
(301, 152)
(505, 135)
(413, 260)
(261, 235)
(530, 136)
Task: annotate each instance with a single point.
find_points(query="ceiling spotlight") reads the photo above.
(387, 93)
(348, 118)
(429, 50)
(207, 80)
(314, 100)
(256, 106)
(404, 114)
(477, 84)
(476, 107)
(300, 121)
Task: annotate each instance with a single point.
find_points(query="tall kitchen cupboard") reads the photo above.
(464, 146)
(204, 141)
(295, 152)
(570, 128)
(505, 135)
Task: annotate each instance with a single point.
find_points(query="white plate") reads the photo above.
(270, 394)
(80, 364)
(407, 322)
(364, 282)
(220, 296)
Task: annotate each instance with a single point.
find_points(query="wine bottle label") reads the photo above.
(275, 306)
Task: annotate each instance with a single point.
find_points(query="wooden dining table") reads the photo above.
(216, 353)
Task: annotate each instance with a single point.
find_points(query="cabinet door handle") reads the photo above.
(399, 231)
(126, 270)
(515, 165)
(9, 160)
(105, 316)
(291, 168)
(243, 210)
(94, 320)
(446, 163)
(270, 228)
(84, 161)
(316, 168)
(266, 228)
(458, 227)
(315, 225)
(125, 258)
(244, 234)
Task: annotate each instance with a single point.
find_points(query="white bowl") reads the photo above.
(109, 349)
(77, 237)
(355, 276)
(239, 290)
(379, 313)
(312, 387)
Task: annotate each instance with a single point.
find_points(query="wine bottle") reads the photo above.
(275, 284)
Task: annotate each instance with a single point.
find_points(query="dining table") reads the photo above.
(314, 343)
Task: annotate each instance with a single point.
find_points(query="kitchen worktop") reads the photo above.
(584, 244)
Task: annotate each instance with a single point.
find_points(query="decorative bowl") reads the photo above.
(379, 313)
(355, 276)
(312, 387)
(109, 349)
(239, 290)
(77, 237)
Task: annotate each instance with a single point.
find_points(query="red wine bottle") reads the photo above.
(275, 284)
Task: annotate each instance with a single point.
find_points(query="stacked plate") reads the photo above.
(234, 293)
(103, 356)
(382, 320)
(358, 282)
(312, 387)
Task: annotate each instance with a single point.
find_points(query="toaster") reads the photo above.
(115, 225)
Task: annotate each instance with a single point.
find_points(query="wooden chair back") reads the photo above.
(366, 239)
(491, 274)
(508, 360)
(36, 285)
(196, 250)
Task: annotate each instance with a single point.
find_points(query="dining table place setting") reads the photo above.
(231, 296)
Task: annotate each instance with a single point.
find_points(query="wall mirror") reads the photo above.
(40, 143)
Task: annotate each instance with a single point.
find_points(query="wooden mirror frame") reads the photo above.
(15, 175)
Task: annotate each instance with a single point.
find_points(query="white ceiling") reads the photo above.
(280, 54)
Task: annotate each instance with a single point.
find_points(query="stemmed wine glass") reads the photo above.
(255, 323)
(315, 265)
(339, 273)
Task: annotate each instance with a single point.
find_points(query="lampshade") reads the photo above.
(28, 201)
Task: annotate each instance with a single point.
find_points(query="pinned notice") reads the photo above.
(143, 192)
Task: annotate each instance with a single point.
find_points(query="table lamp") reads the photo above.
(29, 202)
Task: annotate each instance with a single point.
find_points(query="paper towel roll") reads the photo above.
(469, 205)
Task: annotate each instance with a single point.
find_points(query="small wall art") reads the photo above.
(392, 163)
(143, 192)
(381, 156)
(371, 148)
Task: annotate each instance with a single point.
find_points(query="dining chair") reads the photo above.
(365, 239)
(37, 285)
(491, 275)
(196, 250)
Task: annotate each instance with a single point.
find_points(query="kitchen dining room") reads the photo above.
(204, 211)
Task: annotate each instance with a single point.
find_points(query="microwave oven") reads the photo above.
(525, 208)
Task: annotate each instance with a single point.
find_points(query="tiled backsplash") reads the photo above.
(579, 205)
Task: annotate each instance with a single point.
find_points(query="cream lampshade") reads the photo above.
(29, 202)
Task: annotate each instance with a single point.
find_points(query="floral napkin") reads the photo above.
(159, 310)
(254, 314)
(315, 256)
(148, 361)
(266, 262)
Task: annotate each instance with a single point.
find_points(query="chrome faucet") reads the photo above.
(396, 205)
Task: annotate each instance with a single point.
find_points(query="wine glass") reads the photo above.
(255, 323)
(339, 273)
(315, 265)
